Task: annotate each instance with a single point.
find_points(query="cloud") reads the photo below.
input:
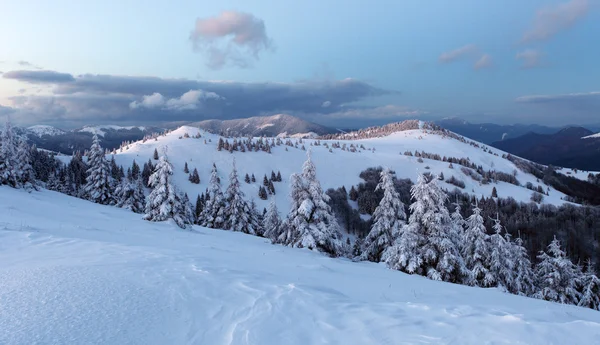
(27, 64)
(231, 38)
(458, 53)
(190, 100)
(103, 98)
(484, 61)
(530, 58)
(39, 77)
(565, 108)
(6, 110)
(551, 20)
(591, 98)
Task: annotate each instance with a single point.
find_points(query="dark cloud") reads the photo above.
(96, 98)
(231, 38)
(39, 77)
(27, 64)
(6, 110)
(581, 101)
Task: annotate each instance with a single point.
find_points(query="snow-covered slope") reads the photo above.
(335, 169)
(597, 135)
(41, 130)
(73, 272)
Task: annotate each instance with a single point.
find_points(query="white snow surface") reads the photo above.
(101, 130)
(41, 130)
(597, 135)
(336, 169)
(73, 272)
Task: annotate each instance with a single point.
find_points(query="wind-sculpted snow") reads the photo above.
(73, 272)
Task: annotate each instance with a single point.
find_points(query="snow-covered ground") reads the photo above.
(73, 272)
(101, 130)
(336, 169)
(41, 130)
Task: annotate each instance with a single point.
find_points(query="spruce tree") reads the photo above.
(213, 215)
(98, 187)
(389, 220)
(247, 178)
(273, 176)
(556, 276)
(164, 202)
(238, 213)
(194, 177)
(253, 178)
(262, 193)
(353, 195)
(272, 222)
(155, 155)
(278, 176)
(502, 267)
(476, 251)
(523, 282)
(186, 169)
(25, 173)
(129, 195)
(8, 162)
(310, 223)
(199, 206)
(590, 283)
(135, 170)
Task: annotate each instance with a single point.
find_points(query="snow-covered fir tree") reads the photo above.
(213, 215)
(502, 268)
(458, 227)
(310, 223)
(272, 222)
(524, 278)
(24, 171)
(164, 202)
(98, 187)
(129, 195)
(389, 220)
(476, 250)
(426, 246)
(238, 213)
(590, 288)
(8, 159)
(556, 276)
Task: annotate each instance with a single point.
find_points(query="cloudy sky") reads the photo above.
(69, 63)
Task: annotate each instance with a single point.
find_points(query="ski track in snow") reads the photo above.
(73, 272)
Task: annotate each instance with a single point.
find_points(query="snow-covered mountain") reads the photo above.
(74, 272)
(339, 162)
(103, 129)
(41, 130)
(269, 126)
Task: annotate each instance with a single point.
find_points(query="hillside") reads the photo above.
(76, 272)
(337, 168)
(269, 126)
(573, 147)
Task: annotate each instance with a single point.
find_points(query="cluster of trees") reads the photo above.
(441, 245)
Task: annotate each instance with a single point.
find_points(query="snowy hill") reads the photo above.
(336, 168)
(101, 130)
(41, 130)
(263, 126)
(74, 272)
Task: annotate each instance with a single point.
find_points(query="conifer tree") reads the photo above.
(262, 193)
(135, 170)
(25, 173)
(310, 223)
(476, 251)
(502, 268)
(353, 195)
(8, 163)
(556, 276)
(238, 213)
(164, 202)
(590, 283)
(279, 176)
(271, 187)
(186, 169)
(273, 176)
(199, 207)
(389, 220)
(155, 155)
(523, 282)
(129, 195)
(253, 178)
(194, 177)
(272, 222)
(265, 181)
(247, 178)
(213, 215)
(98, 186)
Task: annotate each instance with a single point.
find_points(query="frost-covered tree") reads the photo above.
(524, 278)
(389, 220)
(98, 187)
(213, 215)
(426, 246)
(590, 292)
(310, 223)
(25, 174)
(187, 210)
(502, 267)
(129, 195)
(556, 276)
(8, 159)
(164, 202)
(458, 226)
(238, 215)
(476, 251)
(272, 222)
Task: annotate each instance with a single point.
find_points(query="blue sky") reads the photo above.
(499, 61)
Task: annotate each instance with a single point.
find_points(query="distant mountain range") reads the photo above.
(573, 147)
(488, 133)
(80, 139)
(270, 126)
